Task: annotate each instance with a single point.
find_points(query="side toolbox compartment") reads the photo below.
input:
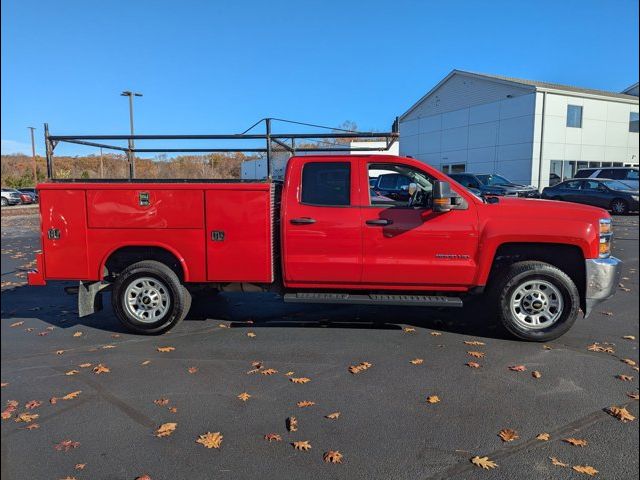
(64, 233)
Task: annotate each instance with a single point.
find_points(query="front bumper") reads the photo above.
(603, 278)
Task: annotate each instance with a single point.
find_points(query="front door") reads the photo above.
(410, 246)
(322, 239)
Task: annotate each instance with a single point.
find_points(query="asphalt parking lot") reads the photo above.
(386, 428)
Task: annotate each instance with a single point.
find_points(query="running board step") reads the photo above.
(374, 299)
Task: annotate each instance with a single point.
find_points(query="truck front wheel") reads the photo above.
(537, 301)
(148, 298)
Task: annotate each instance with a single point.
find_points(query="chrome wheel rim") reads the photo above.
(536, 304)
(618, 207)
(147, 299)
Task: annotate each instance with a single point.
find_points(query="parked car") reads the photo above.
(495, 185)
(10, 196)
(394, 186)
(149, 243)
(628, 175)
(32, 192)
(26, 198)
(609, 194)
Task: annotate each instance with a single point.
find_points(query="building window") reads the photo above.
(326, 183)
(454, 168)
(633, 122)
(574, 116)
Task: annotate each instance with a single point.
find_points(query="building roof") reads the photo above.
(537, 85)
(630, 89)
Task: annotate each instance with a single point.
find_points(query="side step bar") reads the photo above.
(374, 299)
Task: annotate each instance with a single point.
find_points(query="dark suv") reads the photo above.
(628, 175)
(494, 185)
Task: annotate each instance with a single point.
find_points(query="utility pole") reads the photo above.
(33, 155)
(130, 94)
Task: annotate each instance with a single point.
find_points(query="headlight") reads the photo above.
(606, 232)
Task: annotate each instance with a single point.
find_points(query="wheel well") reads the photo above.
(125, 256)
(567, 258)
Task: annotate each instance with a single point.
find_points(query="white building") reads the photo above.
(527, 131)
(257, 169)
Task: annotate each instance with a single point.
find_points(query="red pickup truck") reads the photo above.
(323, 235)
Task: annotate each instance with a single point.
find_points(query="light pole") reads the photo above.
(33, 156)
(130, 94)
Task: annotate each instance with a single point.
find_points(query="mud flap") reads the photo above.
(90, 297)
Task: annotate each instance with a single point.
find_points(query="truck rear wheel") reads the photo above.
(148, 298)
(536, 301)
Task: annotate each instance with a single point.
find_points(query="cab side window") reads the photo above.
(326, 184)
(393, 184)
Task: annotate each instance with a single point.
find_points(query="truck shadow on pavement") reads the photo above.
(51, 305)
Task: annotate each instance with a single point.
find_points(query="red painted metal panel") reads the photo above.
(64, 211)
(241, 250)
(145, 208)
(329, 250)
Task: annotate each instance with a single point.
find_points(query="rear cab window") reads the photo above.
(326, 184)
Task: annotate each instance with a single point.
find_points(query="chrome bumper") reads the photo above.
(603, 277)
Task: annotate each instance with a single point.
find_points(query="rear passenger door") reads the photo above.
(322, 238)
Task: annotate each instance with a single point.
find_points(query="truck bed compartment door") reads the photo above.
(64, 233)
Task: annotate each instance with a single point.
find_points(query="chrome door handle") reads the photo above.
(379, 222)
(303, 221)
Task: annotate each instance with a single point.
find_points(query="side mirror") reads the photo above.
(444, 199)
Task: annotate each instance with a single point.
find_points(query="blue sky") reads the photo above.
(217, 66)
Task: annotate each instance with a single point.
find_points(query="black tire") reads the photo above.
(519, 274)
(619, 206)
(177, 297)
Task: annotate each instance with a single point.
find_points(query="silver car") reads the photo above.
(10, 196)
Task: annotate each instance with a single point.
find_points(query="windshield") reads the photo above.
(493, 180)
(614, 185)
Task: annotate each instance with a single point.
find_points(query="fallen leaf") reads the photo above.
(192, 370)
(100, 368)
(435, 334)
(66, 445)
(417, 361)
(72, 395)
(433, 399)
(576, 442)
(26, 417)
(633, 395)
(586, 469)
(210, 440)
(544, 437)
(32, 426)
(629, 337)
(292, 424)
(72, 372)
(473, 365)
(484, 462)
(32, 404)
(557, 463)
(302, 445)
(518, 368)
(251, 335)
(409, 330)
(547, 347)
(85, 365)
(361, 367)
(80, 466)
(146, 362)
(596, 347)
(474, 342)
(4, 384)
(222, 325)
(332, 416)
(108, 347)
(273, 437)
(166, 429)
(476, 354)
(165, 349)
(269, 371)
(628, 361)
(305, 403)
(59, 352)
(621, 414)
(16, 324)
(332, 456)
(173, 410)
(300, 380)
(77, 334)
(244, 396)
(161, 402)
(536, 374)
(624, 378)
(508, 435)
